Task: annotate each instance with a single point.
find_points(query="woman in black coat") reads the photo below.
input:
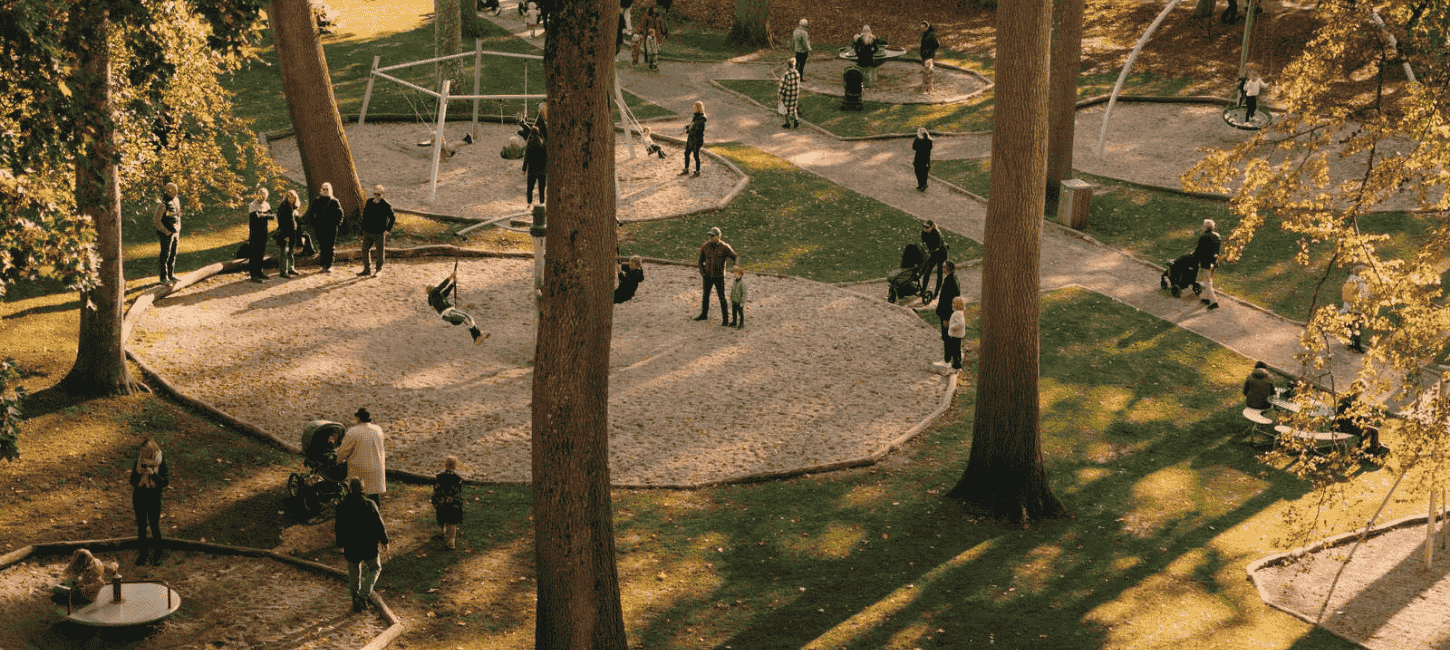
(949, 292)
(287, 234)
(149, 477)
(922, 159)
(324, 213)
(695, 138)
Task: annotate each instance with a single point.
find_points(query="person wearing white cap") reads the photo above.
(713, 256)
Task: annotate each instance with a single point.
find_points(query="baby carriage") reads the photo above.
(324, 486)
(912, 277)
(1182, 273)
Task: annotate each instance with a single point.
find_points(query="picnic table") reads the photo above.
(1321, 439)
(1316, 409)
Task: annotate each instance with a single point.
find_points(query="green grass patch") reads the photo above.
(1159, 226)
(794, 222)
(877, 118)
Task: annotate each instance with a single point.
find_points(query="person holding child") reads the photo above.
(737, 299)
(150, 475)
(447, 501)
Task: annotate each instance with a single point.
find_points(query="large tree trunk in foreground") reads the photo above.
(578, 583)
(752, 23)
(321, 140)
(100, 366)
(1067, 16)
(1005, 475)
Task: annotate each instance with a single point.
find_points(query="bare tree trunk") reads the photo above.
(752, 23)
(1067, 16)
(1005, 475)
(326, 156)
(448, 32)
(578, 589)
(100, 366)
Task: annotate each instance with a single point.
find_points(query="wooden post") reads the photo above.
(438, 139)
(1430, 532)
(362, 115)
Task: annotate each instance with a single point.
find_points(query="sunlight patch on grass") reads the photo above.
(1039, 571)
(1161, 497)
(1139, 618)
(864, 495)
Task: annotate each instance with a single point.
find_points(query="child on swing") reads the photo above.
(438, 300)
(649, 143)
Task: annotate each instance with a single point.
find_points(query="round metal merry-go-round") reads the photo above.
(123, 604)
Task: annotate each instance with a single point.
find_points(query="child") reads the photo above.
(652, 51)
(448, 501)
(438, 300)
(630, 275)
(531, 18)
(149, 476)
(1252, 87)
(636, 47)
(737, 299)
(956, 330)
(83, 579)
(649, 143)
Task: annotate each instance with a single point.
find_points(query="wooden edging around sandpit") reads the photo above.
(1278, 559)
(395, 624)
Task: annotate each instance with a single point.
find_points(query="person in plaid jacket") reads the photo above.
(790, 96)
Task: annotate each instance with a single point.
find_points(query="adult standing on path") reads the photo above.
(713, 255)
(800, 44)
(929, 45)
(149, 478)
(324, 213)
(865, 46)
(790, 96)
(259, 212)
(950, 290)
(1206, 252)
(287, 234)
(360, 533)
(362, 450)
(695, 138)
(536, 165)
(921, 161)
(168, 232)
(377, 222)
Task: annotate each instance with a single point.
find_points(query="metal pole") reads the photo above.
(1123, 76)
(438, 139)
(362, 115)
(477, 75)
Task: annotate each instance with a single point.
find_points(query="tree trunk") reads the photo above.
(100, 366)
(578, 584)
(1067, 16)
(448, 34)
(752, 23)
(1005, 475)
(321, 140)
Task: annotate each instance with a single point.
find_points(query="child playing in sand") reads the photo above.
(649, 143)
(737, 299)
(448, 501)
(438, 300)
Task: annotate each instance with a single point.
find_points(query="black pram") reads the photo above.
(310, 495)
(1182, 273)
(912, 277)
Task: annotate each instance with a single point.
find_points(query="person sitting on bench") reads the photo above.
(1345, 421)
(438, 300)
(1259, 387)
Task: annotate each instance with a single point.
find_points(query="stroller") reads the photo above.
(324, 486)
(912, 277)
(1182, 273)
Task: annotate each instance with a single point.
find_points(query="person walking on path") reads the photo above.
(447, 501)
(695, 138)
(1351, 293)
(150, 476)
(713, 256)
(1206, 252)
(287, 235)
(929, 45)
(536, 166)
(950, 291)
(790, 96)
(377, 222)
(324, 213)
(259, 212)
(800, 45)
(921, 161)
(363, 538)
(168, 232)
(737, 299)
(362, 450)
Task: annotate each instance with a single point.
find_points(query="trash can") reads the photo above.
(1073, 203)
(852, 79)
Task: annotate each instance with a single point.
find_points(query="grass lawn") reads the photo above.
(793, 222)
(1159, 226)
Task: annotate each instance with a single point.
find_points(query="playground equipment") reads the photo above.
(124, 604)
(1236, 114)
(1123, 76)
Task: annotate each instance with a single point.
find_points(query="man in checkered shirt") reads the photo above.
(790, 96)
(362, 450)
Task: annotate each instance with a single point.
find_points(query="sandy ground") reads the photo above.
(476, 183)
(1386, 597)
(690, 402)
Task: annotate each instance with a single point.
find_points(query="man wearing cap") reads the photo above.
(377, 221)
(713, 256)
(800, 43)
(362, 450)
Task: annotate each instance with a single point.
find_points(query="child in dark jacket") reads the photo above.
(448, 501)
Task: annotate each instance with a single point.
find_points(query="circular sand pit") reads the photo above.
(819, 376)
